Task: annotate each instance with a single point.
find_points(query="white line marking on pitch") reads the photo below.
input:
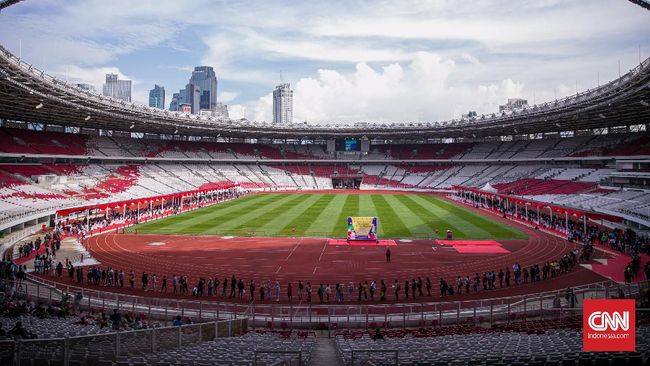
(322, 251)
(279, 268)
(294, 249)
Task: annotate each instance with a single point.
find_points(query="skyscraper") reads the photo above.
(200, 93)
(206, 80)
(118, 89)
(283, 104)
(157, 97)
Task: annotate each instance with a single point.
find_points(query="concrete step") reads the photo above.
(325, 353)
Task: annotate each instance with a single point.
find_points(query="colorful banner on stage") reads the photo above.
(362, 228)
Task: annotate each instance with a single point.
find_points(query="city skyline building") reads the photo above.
(118, 89)
(200, 93)
(157, 97)
(513, 104)
(205, 79)
(283, 104)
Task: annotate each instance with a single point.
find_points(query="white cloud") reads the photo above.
(96, 77)
(259, 110)
(372, 60)
(227, 96)
(391, 93)
(89, 75)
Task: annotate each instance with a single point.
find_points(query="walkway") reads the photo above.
(324, 353)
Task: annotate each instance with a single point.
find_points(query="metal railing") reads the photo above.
(90, 349)
(348, 315)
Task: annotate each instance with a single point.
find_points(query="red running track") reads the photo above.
(312, 259)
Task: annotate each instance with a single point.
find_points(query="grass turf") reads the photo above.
(324, 215)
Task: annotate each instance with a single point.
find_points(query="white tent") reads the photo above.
(488, 188)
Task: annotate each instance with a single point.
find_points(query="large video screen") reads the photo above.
(351, 145)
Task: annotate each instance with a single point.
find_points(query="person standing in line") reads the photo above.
(174, 283)
(365, 290)
(300, 288)
(501, 275)
(289, 291)
(328, 291)
(269, 294)
(351, 289)
(309, 292)
(131, 279)
(240, 289)
(414, 285)
(388, 254)
(407, 287)
(153, 282)
(396, 287)
(277, 291)
(163, 287)
(321, 292)
(251, 287)
(225, 286)
(216, 286)
(233, 285)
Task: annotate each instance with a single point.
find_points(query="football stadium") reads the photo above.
(183, 234)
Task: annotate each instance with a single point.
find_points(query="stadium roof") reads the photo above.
(31, 95)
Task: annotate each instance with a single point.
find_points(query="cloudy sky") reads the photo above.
(347, 60)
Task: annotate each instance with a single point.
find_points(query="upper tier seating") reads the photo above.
(31, 142)
(38, 142)
(532, 186)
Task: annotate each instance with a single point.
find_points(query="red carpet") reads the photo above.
(496, 249)
(475, 246)
(381, 243)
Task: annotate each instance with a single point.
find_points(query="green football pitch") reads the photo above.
(325, 215)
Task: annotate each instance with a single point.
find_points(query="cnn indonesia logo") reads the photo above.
(608, 325)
